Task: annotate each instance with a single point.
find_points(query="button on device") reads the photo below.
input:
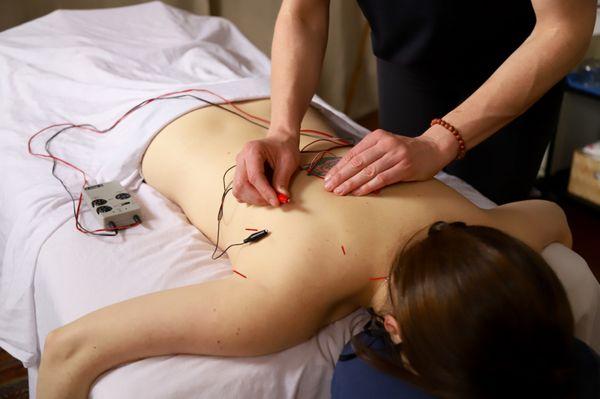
(98, 202)
(122, 196)
(103, 209)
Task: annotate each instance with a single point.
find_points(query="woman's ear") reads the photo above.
(391, 326)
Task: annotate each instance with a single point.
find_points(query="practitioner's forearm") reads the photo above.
(557, 43)
(298, 48)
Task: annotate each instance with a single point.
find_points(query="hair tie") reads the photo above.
(441, 225)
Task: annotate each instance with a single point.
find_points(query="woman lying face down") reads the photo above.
(475, 313)
(457, 299)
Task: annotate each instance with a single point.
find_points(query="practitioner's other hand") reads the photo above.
(251, 184)
(382, 158)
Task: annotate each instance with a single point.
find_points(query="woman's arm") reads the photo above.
(537, 223)
(229, 317)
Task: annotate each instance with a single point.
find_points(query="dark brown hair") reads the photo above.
(481, 316)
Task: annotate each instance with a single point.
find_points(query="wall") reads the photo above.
(594, 49)
(579, 122)
(345, 31)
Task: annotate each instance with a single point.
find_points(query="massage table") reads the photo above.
(90, 67)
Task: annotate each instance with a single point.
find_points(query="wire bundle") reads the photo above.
(319, 136)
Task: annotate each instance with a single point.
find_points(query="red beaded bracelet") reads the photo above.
(462, 149)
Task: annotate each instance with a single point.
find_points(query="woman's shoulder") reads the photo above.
(538, 223)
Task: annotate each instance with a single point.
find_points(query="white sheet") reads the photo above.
(90, 67)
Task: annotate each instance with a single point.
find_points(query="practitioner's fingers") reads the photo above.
(414, 159)
(381, 180)
(365, 175)
(243, 191)
(368, 141)
(285, 168)
(357, 163)
(255, 166)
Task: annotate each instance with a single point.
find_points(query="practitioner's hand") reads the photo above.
(382, 158)
(250, 184)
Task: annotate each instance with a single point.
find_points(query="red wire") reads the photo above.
(236, 272)
(125, 115)
(317, 158)
(52, 156)
(258, 118)
(248, 114)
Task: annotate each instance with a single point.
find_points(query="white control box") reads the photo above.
(112, 205)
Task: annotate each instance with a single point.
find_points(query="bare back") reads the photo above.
(322, 246)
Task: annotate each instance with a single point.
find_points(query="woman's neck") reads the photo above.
(380, 301)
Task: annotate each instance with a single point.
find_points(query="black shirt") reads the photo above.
(433, 54)
(448, 33)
